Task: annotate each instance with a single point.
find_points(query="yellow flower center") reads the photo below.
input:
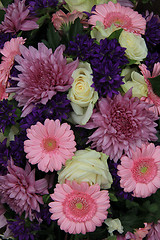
(79, 205)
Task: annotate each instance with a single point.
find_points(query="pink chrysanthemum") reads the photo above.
(9, 51)
(152, 98)
(122, 124)
(79, 208)
(20, 190)
(120, 16)
(42, 75)
(154, 233)
(141, 172)
(50, 145)
(17, 18)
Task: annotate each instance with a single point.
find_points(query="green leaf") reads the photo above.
(7, 130)
(113, 197)
(53, 37)
(46, 198)
(6, 2)
(2, 13)
(155, 82)
(112, 238)
(75, 28)
(131, 61)
(115, 34)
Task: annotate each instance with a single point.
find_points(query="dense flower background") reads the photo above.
(79, 120)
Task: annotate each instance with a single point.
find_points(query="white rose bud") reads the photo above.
(136, 48)
(82, 95)
(80, 5)
(114, 224)
(87, 166)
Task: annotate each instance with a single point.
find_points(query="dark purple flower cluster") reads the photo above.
(7, 114)
(151, 59)
(152, 33)
(56, 108)
(4, 157)
(35, 5)
(116, 182)
(4, 37)
(110, 55)
(23, 230)
(82, 47)
(103, 57)
(44, 215)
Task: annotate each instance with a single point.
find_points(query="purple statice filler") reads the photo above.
(7, 114)
(23, 229)
(152, 33)
(4, 37)
(4, 157)
(36, 5)
(103, 57)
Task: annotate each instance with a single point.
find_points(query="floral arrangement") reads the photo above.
(79, 120)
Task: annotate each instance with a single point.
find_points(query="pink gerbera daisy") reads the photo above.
(42, 75)
(122, 124)
(17, 18)
(20, 190)
(152, 98)
(141, 172)
(120, 16)
(49, 145)
(79, 208)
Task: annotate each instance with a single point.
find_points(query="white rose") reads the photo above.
(87, 166)
(99, 32)
(114, 224)
(136, 48)
(134, 80)
(80, 5)
(82, 95)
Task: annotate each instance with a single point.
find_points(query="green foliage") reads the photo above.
(115, 34)
(155, 82)
(6, 2)
(2, 13)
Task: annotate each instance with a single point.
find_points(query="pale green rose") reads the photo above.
(84, 5)
(82, 95)
(80, 5)
(87, 166)
(114, 224)
(134, 80)
(99, 32)
(136, 48)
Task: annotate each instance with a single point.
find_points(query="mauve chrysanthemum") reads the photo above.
(79, 208)
(152, 98)
(17, 18)
(42, 75)
(154, 232)
(141, 172)
(120, 16)
(122, 124)
(20, 190)
(49, 145)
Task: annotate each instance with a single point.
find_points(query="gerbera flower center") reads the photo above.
(79, 207)
(49, 144)
(118, 19)
(144, 170)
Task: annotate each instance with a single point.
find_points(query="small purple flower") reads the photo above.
(35, 5)
(4, 157)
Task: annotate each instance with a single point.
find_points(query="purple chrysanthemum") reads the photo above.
(43, 74)
(35, 5)
(20, 190)
(4, 157)
(7, 114)
(17, 18)
(152, 33)
(23, 229)
(123, 123)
